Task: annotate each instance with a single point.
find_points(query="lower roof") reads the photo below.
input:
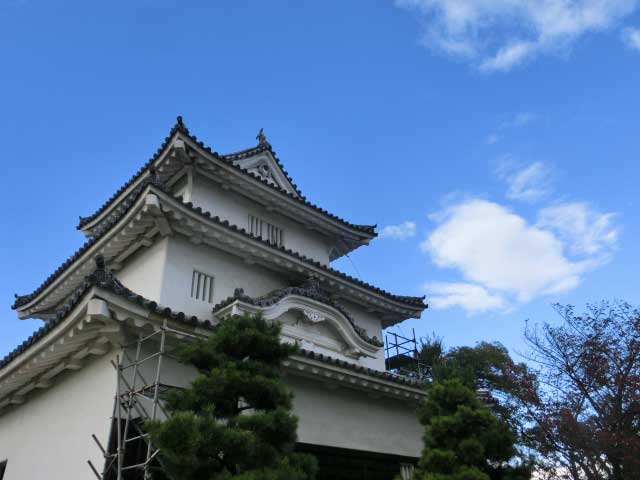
(105, 280)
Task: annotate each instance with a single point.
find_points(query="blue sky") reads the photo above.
(494, 142)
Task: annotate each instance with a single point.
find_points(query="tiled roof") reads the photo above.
(152, 179)
(178, 127)
(264, 146)
(359, 368)
(309, 289)
(228, 159)
(127, 203)
(414, 301)
(106, 280)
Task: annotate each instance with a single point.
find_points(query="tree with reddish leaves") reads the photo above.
(584, 409)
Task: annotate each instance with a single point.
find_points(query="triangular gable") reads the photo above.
(263, 162)
(264, 166)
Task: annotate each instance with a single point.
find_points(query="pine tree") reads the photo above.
(235, 420)
(463, 439)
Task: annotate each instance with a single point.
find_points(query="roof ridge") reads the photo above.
(310, 288)
(180, 127)
(105, 227)
(416, 301)
(153, 181)
(369, 229)
(263, 146)
(104, 278)
(386, 375)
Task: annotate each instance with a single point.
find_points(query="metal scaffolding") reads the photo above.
(402, 357)
(137, 400)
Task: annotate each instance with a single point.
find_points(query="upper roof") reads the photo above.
(263, 146)
(233, 160)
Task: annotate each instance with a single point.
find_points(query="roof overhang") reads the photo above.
(99, 321)
(85, 332)
(311, 312)
(155, 213)
(344, 237)
(181, 150)
(135, 229)
(334, 373)
(102, 320)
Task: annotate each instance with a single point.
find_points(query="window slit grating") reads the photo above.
(266, 231)
(202, 286)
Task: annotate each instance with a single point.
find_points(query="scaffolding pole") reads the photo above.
(402, 357)
(129, 407)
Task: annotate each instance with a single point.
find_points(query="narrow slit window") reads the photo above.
(202, 286)
(266, 231)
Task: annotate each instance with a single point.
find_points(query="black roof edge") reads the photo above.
(414, 301)
(359, 368)
(180, 127)
(105, 279)
(21, 300)
(310, 288)
(153, 180)
(263, 145)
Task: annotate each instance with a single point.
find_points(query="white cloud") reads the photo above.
(522, 119)
(584, 230)
(497, 35)
(528, 184)
(631, 38)
(492, 139)
(399, 232)
(498, 251)
(473, 298)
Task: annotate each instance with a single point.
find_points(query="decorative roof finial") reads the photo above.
(154, 177)
(180, 126)
(262, 138)
(99, 262)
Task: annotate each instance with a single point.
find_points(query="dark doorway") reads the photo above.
(345, 464)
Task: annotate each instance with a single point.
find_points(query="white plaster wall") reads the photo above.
(322, 338)
(49, 437)
(163, 273)
(347, 418)
(172, 372)
(372, 323)
(229, 272)
(143, 271)
(235, 208)
(341, 417)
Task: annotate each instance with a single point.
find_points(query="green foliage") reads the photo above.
(235, 420)
(463, 439)
(489, 366)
